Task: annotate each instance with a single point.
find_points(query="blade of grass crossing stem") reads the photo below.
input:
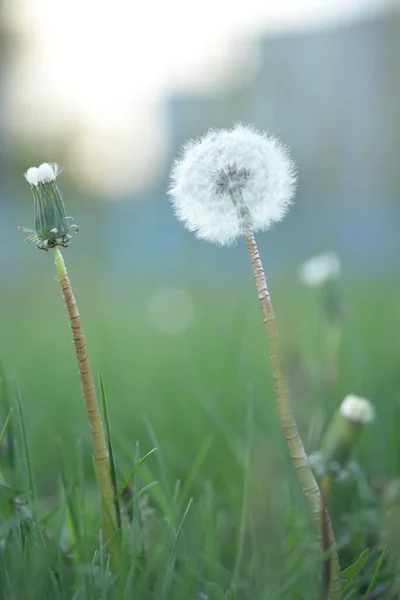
(246, 482)
(26, 459)
(376, 573)
(169, 573)
(110, 451)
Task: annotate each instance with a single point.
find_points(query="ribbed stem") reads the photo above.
(297, 452)
(100, 447)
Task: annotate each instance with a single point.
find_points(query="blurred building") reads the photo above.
(332, 96)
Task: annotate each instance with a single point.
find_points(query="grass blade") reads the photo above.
(4, 429)
(26, 459)
(6, 402)
(171, 561)
(133, 472)
(110, 451)
(376, 573)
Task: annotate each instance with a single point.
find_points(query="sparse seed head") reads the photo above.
(51, 222)
(230, 180)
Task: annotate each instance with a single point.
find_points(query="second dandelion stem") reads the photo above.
(297, 452)
(101, 457)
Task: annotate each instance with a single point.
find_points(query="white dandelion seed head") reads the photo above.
(45, 173)
(231, 179)
(357, 410)
(320, 269)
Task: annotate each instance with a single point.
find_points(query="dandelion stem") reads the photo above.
(101, 456)
(297, 452)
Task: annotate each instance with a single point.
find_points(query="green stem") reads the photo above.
(101, 456)
(297, 452)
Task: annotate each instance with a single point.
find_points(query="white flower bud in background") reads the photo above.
(320, 269)
(357, 410)
(344, 430)
(232, 180)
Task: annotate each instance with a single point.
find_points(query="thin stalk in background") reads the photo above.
(323, 271)
(296, 448)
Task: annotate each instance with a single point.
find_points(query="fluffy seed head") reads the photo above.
(357, 410)
(230, 180)
(320, 269)
(45, 173)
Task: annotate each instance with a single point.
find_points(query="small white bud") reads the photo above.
(320, 269)
(230, 180)
(31, 175)
(45, 173)
(357, 410)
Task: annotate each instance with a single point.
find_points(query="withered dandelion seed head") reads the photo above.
(52, 226)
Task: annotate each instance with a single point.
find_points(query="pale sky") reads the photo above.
(106, 66)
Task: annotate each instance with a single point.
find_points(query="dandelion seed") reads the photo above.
(230, 180)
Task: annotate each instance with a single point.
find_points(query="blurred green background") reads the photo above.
(173, 323)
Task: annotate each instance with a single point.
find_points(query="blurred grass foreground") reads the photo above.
(215, 509)
(204, 399)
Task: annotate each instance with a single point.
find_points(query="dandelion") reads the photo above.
(320, 269)
(52, 232)
(231, 181)
(231, 184)
(52, 226)
(357, 410)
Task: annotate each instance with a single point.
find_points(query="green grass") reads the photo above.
(215, 510)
